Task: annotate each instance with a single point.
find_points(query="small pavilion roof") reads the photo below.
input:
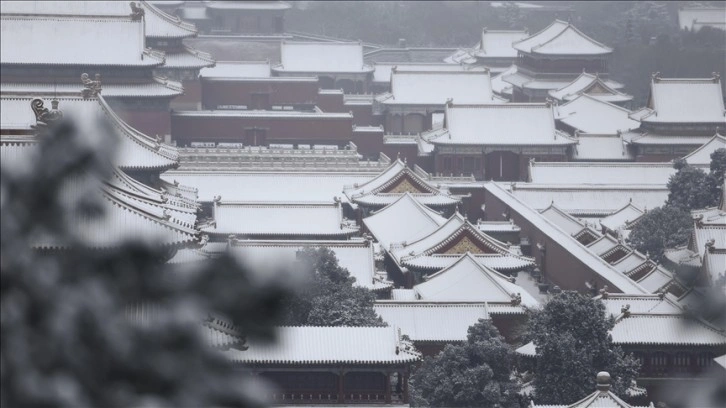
(432, 322)
(672, 330)
(561, 38)
(54, 40)
(464, 237)
(285, 220)
(188, 58)
(329, 345)
(655, 304)
(498, 43)
(589, 114)
(436, 88)
(592, 85)
(530, 124)
(405, 220)
(394, 181)
(469, 281)
(322, 57)
(568, 223)
(681, 100)
(602, 398)
(135, 151)
(601, 147)
(623, 218)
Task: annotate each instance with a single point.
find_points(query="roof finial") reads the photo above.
(656, 76)
(91, 88)
(603, 381)
(625, 310)
(449, 102)
(43, 116)
(716, 77)
(604, 292)
(137, 13)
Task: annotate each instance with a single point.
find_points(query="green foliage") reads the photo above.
(474, 374)
(688, 188)
(573, 344)
(715, 179)
(66, 340)
(329, 298)
(661, 228)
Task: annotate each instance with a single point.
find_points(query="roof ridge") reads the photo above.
(171, 19)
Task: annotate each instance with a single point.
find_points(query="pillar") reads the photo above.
(405, 387)
(341, 388)
(388, 387)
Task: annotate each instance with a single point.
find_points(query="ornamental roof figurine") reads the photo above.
(43, 116)
(137, 12)
(91, 88)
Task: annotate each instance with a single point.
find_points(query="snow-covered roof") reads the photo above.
(248, 5)
(592, 199)
(640, 304)
(468, 281)
(322, 57)
(524, 80)
(432, 322)
(156, 88)
(702, 155)
(503, 124)
(622, 218)
(287, 220)
(561, 38)
(237, 69)
(601, 398)
(674, 330)
(498, 43)
(355, 256)
(695, 18)
(188, 58)
(454, 238)
(637, 137)
(591, 115)
(266, 187)
(501, 87)
(686, 101)
(592, 85)
(609, 147)
(158, 24)
(388, 186)
(71, 40)
(563, 220)
(328, 345)
(567, 242)
(405, 220)
(600, 173)
(382, 70)
(127, 217)
(435, 88)
(135, 150)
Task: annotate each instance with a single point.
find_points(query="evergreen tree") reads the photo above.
(474, 374)
(689, 188)
(573, 344)
(329, 298)
(661, 228)
(66, 340)
(715, 179)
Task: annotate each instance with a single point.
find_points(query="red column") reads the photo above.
(341, 390)
(388, 388)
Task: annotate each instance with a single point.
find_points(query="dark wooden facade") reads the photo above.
(349, 384)
(259, 93)
(261, 129)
